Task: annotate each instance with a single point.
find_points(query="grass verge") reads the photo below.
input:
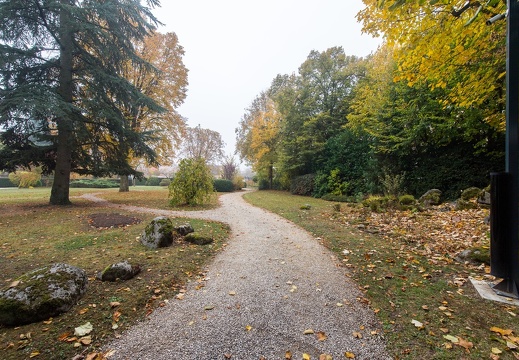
(36, 234)
(427, 307)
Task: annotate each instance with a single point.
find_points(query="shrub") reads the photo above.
(392, 184)
(165, 182)
(25, 179)
(193, 183)
(153, 181)
(140, 182)
(303, 185)
(380, 203)
(223, 185)
(238, 182)
(407, 200)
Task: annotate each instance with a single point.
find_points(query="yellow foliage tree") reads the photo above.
(446, 44)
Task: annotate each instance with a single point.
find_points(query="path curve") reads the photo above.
(272, 282)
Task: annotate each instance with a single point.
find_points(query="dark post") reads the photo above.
(510, 270)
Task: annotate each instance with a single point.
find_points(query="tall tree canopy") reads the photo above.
(203, 144)
(166, 83)
(446, 44)
(62, 89)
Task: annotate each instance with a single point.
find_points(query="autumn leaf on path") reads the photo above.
(288, 355)
(321, 336)
(325, 357)
(349, 355)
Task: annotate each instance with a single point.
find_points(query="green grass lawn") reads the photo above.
(423, 302)
(36, 234)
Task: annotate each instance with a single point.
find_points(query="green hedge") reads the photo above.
(94, 183)
(5, 182)
(223, 185)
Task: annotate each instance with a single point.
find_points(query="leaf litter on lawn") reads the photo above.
(404, 263)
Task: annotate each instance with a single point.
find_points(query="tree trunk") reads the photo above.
(60, 188)
(271, 175)
(124, 185)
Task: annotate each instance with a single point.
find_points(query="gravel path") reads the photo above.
(272, 282)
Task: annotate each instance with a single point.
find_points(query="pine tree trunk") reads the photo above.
(124, 185)
(61, 186)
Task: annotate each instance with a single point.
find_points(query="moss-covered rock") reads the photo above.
(471, 193)
(198, 239)
(431, 197)
(120, 271)
(41, 294)
(158, 233)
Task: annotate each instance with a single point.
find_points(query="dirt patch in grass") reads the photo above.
(404, 264)
(110, 220)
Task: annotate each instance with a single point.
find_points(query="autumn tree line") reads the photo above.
(426, 110)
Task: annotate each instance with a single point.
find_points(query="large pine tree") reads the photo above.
(61, 86)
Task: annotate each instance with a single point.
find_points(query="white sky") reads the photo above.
(235, 48)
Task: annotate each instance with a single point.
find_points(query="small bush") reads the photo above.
(238, 182)
(223, 185)
(165, 182)
(392, 184)
(303, 185)
(380, 203)
(25, 179)
(193, 183)
(407, 200)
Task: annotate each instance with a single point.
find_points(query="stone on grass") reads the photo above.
(119, 271)
(198, 239)
(184, 229)
(41, 294)
(431, 197)
(158, 233)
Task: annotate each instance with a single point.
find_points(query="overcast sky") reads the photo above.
(234, 48)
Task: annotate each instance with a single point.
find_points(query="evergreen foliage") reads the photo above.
(61, 87)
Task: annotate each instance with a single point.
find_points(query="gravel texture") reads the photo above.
(271, 283)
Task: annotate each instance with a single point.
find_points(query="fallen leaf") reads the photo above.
(501, 331)
(357, 335)
(116, 316)
(325, 357)
(417, 323)
(209, 307)
(93, 356)
(349, 355)
(227, 356)
(321, 336)
(467, 345)
(84, 329)
(496, 351)
(232, 293)
(115, 304)
(451, 338)
(308, 332)
(86, 340)
(34, 354)
(248, 328)
(306, 357)
(511, 345)
(288, 355)
(14, 284)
